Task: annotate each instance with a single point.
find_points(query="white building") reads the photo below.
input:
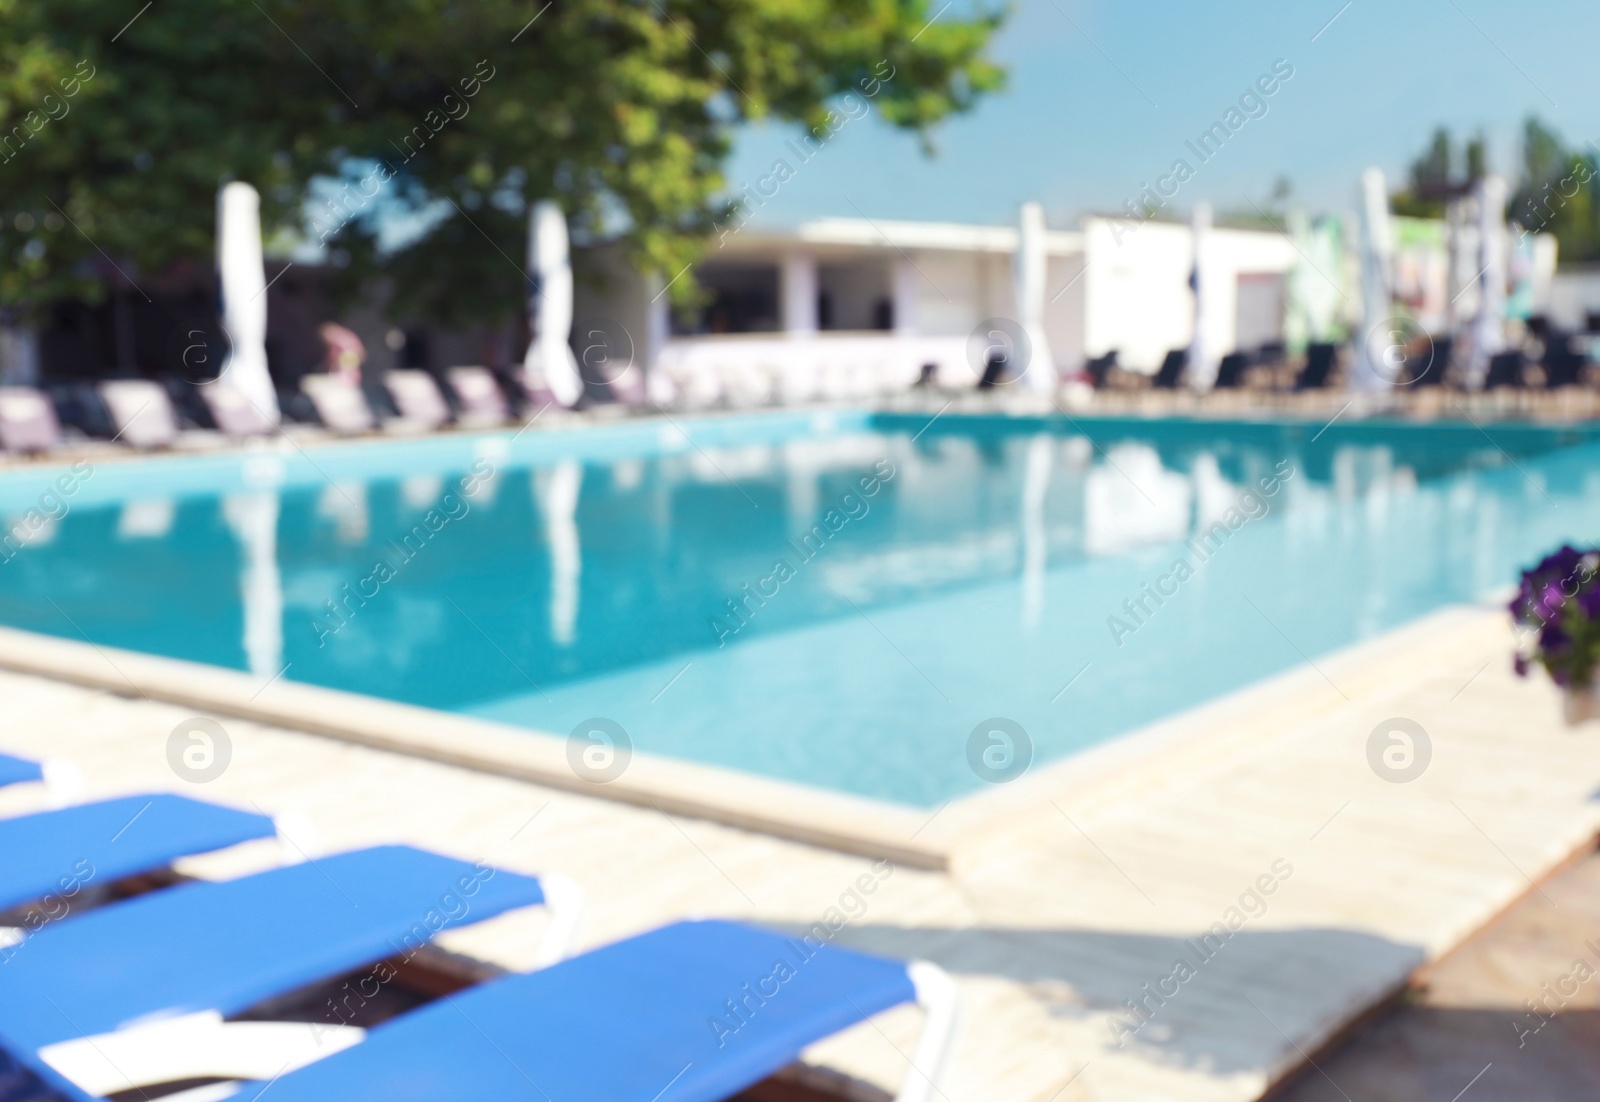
(856, 306)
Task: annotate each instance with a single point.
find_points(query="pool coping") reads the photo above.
(1113, 775)
(1098, 779)
(821, 817)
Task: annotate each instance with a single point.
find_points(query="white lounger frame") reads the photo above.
(941, 1002)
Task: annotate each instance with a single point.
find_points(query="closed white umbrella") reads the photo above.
(1032, 266)
(1488, 328)
(244, 297)
(1374, 366)
(549, 362)
(1204, 355)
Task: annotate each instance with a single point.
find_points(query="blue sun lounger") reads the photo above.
(204, 950)
(17, 770)
(57, 853)
(692, 1012)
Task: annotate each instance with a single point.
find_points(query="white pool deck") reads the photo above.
(1066, 891)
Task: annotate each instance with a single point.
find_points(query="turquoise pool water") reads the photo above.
(834, 599)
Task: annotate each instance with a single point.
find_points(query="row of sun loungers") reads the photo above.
(168, 993)
(141, 413)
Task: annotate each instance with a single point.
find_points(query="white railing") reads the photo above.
(776, 368)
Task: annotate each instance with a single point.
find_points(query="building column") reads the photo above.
(797, 291)
(903, 284)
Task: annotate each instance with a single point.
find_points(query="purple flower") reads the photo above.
(1563, 562)
(1551, 598)
(1560, 597)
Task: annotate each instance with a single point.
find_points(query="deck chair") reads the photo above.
(1320, 357)
(27, 420)
(1505, 370)
(141, 413)
(234, 413)
(1437, 369)
(113, 839)
(201, 951)
(417, 398)
(1099, 369)
(691, 1012)
(340, 406)
(483, 403)
(628, 388)
(1562, 365)
(1173, 369)
(1230, 372)
(536, 398)
(19, 770)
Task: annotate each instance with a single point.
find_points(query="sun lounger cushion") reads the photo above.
(228, 945)
(417, 397)
(233, 411)
(691, 1012)
(480, 395)
(141, 413)
(18, 770)
(99, 843)
(341, 406)
(27, 420)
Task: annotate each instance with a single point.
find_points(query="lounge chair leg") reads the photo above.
(939, 999)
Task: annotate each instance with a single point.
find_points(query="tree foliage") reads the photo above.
(620, 110)
(1438, 172)
(1556, 191)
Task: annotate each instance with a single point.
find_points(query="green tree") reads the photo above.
(1431, 171)
(1432, 178)
(621, 110)
(1477, 156)
(1557, 193)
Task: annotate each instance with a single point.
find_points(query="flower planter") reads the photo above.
(1578, 705)
(1557, 616)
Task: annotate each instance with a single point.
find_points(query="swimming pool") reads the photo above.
(836, 599)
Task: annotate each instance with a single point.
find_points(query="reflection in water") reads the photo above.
(1035, 484)
(986, 567)
(253, 517)
(149, 519)
(626, 474)
(557, 490)
(421, 491)
(800, 495)
(1214, 495)
(1133, 500)
(345, 503)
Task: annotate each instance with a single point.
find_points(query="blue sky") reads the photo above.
(1102, 96)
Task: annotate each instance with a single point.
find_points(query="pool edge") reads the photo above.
(1091, 781)
(1113, 775)
(801, 813)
